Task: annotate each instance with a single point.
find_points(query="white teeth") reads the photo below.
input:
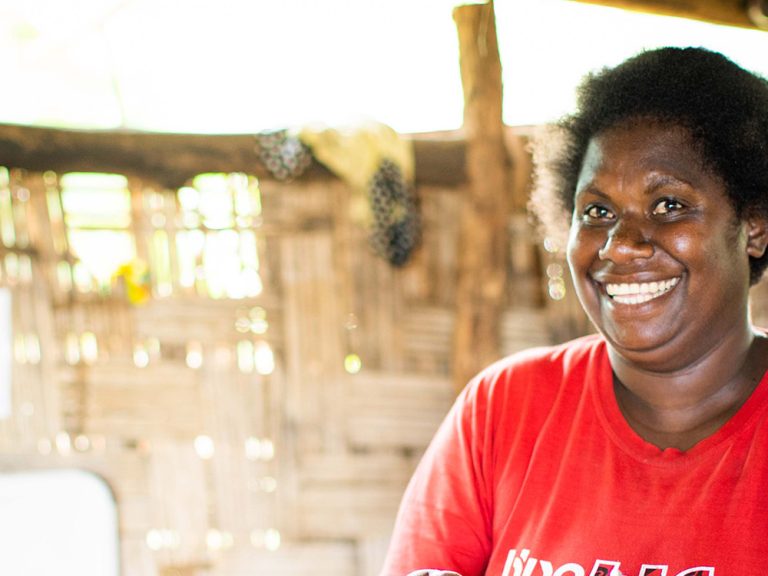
(637, 293)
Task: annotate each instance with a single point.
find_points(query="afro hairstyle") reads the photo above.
(723, 107)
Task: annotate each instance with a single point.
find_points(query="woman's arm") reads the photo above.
(444, 520)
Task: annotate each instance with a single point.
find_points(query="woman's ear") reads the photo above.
(757, 235)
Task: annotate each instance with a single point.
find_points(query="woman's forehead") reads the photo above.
(645, 147)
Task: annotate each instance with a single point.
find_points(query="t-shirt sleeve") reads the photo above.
(444, 520)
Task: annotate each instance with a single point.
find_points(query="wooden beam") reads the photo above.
(484, 236)
(167, 158)
(728, 12)
(171, 159)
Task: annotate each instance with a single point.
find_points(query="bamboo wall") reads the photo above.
(313, 450)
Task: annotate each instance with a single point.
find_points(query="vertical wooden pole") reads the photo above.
(484, 236)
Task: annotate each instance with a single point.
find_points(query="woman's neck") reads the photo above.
(680, 408)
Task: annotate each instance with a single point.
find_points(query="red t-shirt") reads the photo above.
(536, 472)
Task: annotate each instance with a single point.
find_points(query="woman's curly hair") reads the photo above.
(723, 107)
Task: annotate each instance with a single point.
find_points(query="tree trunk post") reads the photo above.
(484, 235)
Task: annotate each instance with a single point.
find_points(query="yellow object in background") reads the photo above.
(135, 280)
(355, 154)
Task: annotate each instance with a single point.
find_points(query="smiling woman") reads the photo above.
(640, 449)
(651, 232)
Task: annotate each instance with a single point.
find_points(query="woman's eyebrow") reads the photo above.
(591, 188)
(658, 180)
(655, 181)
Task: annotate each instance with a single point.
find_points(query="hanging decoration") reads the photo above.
(379, 166)
(283, 154)
(396, 224)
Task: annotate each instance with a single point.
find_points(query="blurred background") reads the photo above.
(236, 269)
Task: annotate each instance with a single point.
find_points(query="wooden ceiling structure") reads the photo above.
(744, 13)
(170, 159)
(438, 160)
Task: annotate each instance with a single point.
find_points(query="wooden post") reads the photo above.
(484, 236)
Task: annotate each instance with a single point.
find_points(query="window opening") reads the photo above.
(97, 214)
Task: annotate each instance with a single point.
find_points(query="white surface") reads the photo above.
(249, 65)
(61, 522)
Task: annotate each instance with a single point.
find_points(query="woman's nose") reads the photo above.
(626, 241)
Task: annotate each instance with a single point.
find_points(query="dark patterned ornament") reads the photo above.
(396, 224)
(284, 155)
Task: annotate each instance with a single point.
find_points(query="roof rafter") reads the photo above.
(728, 12)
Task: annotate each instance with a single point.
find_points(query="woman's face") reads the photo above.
(658, 258)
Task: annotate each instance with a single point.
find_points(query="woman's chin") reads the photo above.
(643, 346)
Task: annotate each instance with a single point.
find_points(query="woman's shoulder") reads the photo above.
(539, 375)
(546, 360)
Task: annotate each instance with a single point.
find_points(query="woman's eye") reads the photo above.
(598, 212)
(667, 206)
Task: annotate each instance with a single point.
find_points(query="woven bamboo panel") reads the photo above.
(170, 498)
(181, 319)
(116, 401)
(523, 328)
(387, 410)
(431, 279)
(428, 339)
(307, 457)
(354, 511)
(342, 446)
(321, 559)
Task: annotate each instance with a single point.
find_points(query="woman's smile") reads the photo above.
(653, 245)
(639, 292)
